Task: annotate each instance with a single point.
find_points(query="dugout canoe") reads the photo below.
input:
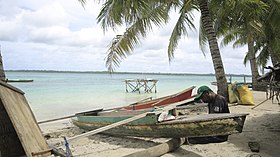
(162, 101)
(148, 126)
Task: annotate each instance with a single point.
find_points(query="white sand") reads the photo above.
(262, 126)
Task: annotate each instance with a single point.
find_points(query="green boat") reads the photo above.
(149, 126)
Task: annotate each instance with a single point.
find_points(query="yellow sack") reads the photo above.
(245, 95)
(232, 97)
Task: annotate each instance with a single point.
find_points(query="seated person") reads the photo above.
(216, 104)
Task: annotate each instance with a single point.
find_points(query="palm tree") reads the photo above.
(241, 22)
(140, 16)
(268, 45)
(207, 25)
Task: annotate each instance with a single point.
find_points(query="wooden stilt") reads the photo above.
(136, 85)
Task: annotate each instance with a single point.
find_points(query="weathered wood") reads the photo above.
(11, 87)
(160, 149)
(169, 107)
(9, 142)
(182, 126)
(58, 152)
(23, 120)
(42, 152)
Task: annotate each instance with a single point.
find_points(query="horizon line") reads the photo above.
(107, 72)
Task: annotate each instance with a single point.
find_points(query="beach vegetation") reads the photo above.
(250, 23)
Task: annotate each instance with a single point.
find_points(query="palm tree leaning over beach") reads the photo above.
(140, 16)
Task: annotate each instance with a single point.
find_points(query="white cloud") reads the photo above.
(62, 35)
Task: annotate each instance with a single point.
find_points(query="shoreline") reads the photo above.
(262, 125)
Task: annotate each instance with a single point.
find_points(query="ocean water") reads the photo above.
(58, 94)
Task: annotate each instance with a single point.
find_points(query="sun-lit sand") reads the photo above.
(262, 126)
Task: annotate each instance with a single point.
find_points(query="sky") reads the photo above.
(62, 35)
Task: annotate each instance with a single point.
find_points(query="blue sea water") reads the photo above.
(57, 94)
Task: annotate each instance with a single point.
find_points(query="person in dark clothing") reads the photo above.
(216, 104)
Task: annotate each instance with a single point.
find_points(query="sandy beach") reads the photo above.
(262, 126)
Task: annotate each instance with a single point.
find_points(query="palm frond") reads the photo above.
(185, 19)
(132, 36)
(246, 59)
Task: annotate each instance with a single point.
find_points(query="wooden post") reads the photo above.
(244, 79)
(155, 87)
(126, 86)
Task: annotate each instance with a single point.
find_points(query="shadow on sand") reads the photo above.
(264, 130)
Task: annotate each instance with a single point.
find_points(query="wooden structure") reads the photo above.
(137, 84)
(20, 135)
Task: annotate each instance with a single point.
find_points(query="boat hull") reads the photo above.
(163, 101)
(198, 126)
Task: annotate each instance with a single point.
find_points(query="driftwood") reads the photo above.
(160, 149)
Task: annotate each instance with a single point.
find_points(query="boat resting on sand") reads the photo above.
(162, 101)
(149, 126)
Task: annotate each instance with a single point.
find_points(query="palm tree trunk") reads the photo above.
(253, 64)
(214, 48)
(2, 73)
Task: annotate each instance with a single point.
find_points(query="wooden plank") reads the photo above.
(23, 121)
(160, 149)
(9, 142)
(169, 107)
(11, 87)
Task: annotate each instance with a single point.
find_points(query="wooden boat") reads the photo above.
(148, 126)
(163, 101)
(18, 80)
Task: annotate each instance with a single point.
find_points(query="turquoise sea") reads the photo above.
(57, 94)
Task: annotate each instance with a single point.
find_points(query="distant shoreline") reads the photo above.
(106, 72)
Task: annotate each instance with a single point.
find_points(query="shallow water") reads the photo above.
(57, 94)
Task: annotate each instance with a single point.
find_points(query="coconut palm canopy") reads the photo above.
(140, 17)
